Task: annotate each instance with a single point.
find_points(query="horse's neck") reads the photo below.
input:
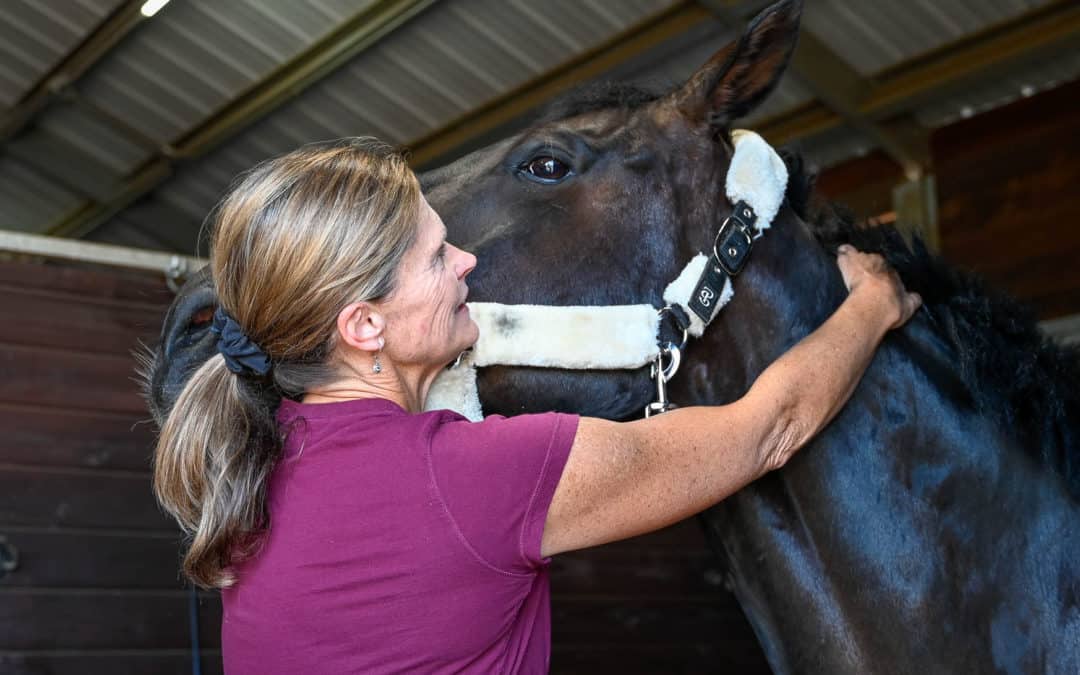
(902, 533)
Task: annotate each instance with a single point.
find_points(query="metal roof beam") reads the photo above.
(628, 44)
(81, 59)
(900, 89)
(360, 32)
(102, 254)
(842, 89)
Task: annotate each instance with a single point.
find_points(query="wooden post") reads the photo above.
(916, 206)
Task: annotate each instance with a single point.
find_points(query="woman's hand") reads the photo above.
(871, 275)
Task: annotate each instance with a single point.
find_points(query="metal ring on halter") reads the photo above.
(675, 355)
(685, 332)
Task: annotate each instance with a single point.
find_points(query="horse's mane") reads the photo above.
(1014, 372)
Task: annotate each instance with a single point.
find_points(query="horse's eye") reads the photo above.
(547, 169)
(202, 317)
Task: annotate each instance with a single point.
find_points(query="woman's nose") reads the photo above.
(466, 263)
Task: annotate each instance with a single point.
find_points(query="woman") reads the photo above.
(351, 533)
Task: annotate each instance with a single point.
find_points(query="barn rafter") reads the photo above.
(364, 29)
(95, 47)
(1035, 34)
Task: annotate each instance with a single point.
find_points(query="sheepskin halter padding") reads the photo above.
(613, 337)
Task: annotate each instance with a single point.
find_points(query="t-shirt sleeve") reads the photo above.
(496, 479)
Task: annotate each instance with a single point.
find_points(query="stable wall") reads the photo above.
(97, 589)
(1007, 185)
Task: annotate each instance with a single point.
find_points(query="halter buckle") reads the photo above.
(732, 245)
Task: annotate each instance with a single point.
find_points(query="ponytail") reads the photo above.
(212, 465)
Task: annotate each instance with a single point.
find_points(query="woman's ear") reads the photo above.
(361, 326)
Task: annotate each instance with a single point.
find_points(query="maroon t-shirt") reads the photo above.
(400, 543)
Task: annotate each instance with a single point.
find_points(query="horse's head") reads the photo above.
(602, 202)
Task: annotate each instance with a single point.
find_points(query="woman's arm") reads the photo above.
(624, 479)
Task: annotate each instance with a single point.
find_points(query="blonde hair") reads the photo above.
(295, 240)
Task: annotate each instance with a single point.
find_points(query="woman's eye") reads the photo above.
(547, 168)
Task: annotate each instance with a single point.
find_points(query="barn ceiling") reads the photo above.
(125, 129)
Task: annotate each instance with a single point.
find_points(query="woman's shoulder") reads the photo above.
(450, 429)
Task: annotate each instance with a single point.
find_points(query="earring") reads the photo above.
(377, 367)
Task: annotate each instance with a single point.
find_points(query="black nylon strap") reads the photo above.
(731, 248)
(680, 317)
(706, 295)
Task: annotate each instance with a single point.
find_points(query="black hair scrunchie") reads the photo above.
(242, 356)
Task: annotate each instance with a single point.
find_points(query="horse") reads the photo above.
(932, 527)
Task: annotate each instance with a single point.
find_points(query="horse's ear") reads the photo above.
(740, 76)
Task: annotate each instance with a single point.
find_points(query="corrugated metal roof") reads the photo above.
(174, 71)
(831, 147)
(898, 30)
(27, 196)
(670, 65)
(35, 36)
(193, 57)
(410, 85)
(1007, 87)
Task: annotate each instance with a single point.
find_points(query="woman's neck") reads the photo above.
(406, 386)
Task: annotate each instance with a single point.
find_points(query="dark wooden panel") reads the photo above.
(173, 662)
(75, 323)
(130, 287)
(1007, 189)
(83, 559)
(716, 658)
(863, 184)
(50, 620)
(52, 377)
(79, 499)
(672, 561)
(64, 437)
(645, 572)
(631, 620)
(684, 536)
(98, 560)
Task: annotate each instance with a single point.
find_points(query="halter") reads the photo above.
(618, 337)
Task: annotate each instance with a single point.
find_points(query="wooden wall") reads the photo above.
(1007, 186)
(97, 588)
(1007, 206)
(654, 604)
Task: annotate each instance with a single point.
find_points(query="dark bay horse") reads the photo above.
(933, 527)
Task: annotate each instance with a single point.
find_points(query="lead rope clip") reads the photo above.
(662, 374)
